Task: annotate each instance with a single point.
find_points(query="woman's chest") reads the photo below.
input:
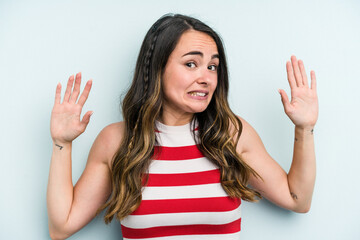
(182, 197)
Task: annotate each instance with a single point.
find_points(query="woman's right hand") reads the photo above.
(65, 124)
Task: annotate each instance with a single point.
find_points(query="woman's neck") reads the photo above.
(175, 119)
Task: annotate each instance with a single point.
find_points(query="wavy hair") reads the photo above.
(142, 106)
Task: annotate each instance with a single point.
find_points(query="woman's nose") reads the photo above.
(205, 77)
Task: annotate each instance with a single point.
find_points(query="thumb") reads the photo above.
(86, 118)
(284, 100)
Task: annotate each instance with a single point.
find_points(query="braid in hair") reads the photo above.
(147, 62)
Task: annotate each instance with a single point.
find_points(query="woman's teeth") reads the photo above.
(200, 94)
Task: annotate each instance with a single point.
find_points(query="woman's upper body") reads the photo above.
(183, 195)
(189, 80)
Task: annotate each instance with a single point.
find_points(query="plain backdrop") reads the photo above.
(44, 42)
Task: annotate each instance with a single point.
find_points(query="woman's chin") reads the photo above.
(198, 109)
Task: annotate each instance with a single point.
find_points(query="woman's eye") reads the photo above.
(191, 64)
(212, 67)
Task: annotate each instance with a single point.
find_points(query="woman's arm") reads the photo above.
(293, 190)
(302, 173)
(70, 208)
(278, 186)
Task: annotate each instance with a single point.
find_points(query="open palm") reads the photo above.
(303, 108)
(65, 124)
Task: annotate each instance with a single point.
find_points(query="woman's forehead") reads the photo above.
(192, 40)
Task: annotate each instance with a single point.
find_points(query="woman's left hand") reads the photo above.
(303, 108)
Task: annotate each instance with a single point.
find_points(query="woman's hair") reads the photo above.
(142, 106)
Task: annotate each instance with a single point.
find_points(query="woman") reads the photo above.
(181, 161)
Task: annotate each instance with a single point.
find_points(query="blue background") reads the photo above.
(44, 42)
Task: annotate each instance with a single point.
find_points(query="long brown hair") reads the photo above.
(142, 106)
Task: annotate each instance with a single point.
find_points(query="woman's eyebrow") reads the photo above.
(200, 54)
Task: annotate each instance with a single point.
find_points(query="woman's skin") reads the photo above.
(191, 67)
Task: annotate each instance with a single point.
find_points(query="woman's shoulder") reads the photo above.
(113, 129)
(247, 137)
(109, 139)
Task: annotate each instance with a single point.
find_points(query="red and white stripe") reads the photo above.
(183, 198)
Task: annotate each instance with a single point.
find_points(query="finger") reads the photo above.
(297, 73)
(85, 93)
(68, 88)
(76, 90)
(86, 119)
(285, 100)
(58, 94)
(290, 75)
(313, 80)
(303, 73)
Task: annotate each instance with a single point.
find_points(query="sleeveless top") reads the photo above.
(183, 198)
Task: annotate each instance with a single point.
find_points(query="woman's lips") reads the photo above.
(198, 95)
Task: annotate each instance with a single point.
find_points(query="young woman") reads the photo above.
(180, 163)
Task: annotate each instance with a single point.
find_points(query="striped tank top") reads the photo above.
(183, 198)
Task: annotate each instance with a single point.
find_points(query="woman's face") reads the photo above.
(190, 76)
